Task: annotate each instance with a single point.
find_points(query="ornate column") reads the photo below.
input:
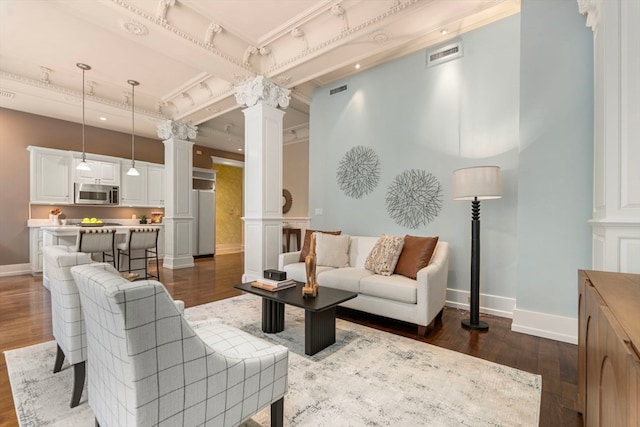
(616, 187)
(178, 169)
(262, 174)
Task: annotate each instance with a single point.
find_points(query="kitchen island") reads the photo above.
(43, 233)
(67, 235)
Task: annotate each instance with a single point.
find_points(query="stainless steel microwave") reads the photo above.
(94, 194)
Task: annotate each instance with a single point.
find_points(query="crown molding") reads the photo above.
(78, 94)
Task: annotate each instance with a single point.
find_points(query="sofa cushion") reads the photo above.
(394, 287)
(298, 271)
(383, 257)
(359, 249)
(416, 254)
(347, 279)
(306, 245)
(332, 250)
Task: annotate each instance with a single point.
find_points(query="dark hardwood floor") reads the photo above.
(25, 319)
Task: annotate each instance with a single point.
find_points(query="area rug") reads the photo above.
(367, 378)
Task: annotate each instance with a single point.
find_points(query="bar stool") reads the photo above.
(140, 239)
(98, 240)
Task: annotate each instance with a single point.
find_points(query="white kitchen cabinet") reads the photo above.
(155, 185)
(133, 191)
(50, 176)
(102, 172)
(144, 190)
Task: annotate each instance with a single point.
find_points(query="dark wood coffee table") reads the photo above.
(319, 312)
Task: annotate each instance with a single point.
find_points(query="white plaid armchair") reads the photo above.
(66, 313)
(149, 367)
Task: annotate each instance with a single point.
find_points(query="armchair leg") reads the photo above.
(277, 413)
(78, 383)
(59, 359)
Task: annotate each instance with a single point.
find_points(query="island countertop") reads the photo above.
(65, 230)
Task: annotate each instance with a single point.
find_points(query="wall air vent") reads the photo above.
(337, 90)
(444, 53)
(7, 94)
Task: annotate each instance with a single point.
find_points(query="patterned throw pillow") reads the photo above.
(384, 256)
(332, 250)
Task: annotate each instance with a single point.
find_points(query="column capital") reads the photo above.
(590, 8)
(179, 130)
(262, 90)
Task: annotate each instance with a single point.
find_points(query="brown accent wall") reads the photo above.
(18, 130)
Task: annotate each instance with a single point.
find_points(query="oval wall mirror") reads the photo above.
(286, 200)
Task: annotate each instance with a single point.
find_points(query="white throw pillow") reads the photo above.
(385, 254)
(332, 250)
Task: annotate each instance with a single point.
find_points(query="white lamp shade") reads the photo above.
(133, 171)
(481, 182)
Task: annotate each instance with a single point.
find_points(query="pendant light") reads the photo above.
(83, 165)
(132, 170)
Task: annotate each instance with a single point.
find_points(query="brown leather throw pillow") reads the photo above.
(416, 254)
(307, 241)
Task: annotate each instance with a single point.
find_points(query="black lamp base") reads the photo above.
(480, 326)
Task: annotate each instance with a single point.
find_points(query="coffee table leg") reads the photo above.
(272, 316)
(319, 330)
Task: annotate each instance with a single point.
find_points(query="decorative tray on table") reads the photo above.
(91, 224)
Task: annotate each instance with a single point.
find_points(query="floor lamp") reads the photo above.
(475, 184)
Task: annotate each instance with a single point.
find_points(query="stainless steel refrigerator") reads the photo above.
(203, 206)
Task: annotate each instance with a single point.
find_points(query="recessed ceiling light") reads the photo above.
(104, 119)
(444, 31)
(239, 149)
(357, 66)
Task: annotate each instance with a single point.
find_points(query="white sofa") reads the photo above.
(398, 297)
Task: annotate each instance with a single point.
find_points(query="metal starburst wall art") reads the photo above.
(358, 172)
(414, 198)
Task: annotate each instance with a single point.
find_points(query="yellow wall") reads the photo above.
(228, 205)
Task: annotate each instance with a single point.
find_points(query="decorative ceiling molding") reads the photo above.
(340, 37)
(75, 94)
(163, 8)
(178, 32)
(134, 27)
(212, 30)
(44, 77)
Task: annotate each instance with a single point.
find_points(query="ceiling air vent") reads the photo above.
(337, 90)
(7, 94)
(444, 53)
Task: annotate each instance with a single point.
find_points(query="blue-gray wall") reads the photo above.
(463, 113)
(555, 173)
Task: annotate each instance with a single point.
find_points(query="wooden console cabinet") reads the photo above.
(609, 348)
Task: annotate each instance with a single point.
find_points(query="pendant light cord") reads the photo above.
(132, 170)
(83, 67)
(133, 138)
(83, 155)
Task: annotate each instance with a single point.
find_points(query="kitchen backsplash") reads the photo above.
(75, 212)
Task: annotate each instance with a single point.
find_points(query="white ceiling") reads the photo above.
(189, 54)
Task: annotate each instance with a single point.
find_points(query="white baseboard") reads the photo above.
(177, 263)
(545, 325)
(15, 269)
(489, 304)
